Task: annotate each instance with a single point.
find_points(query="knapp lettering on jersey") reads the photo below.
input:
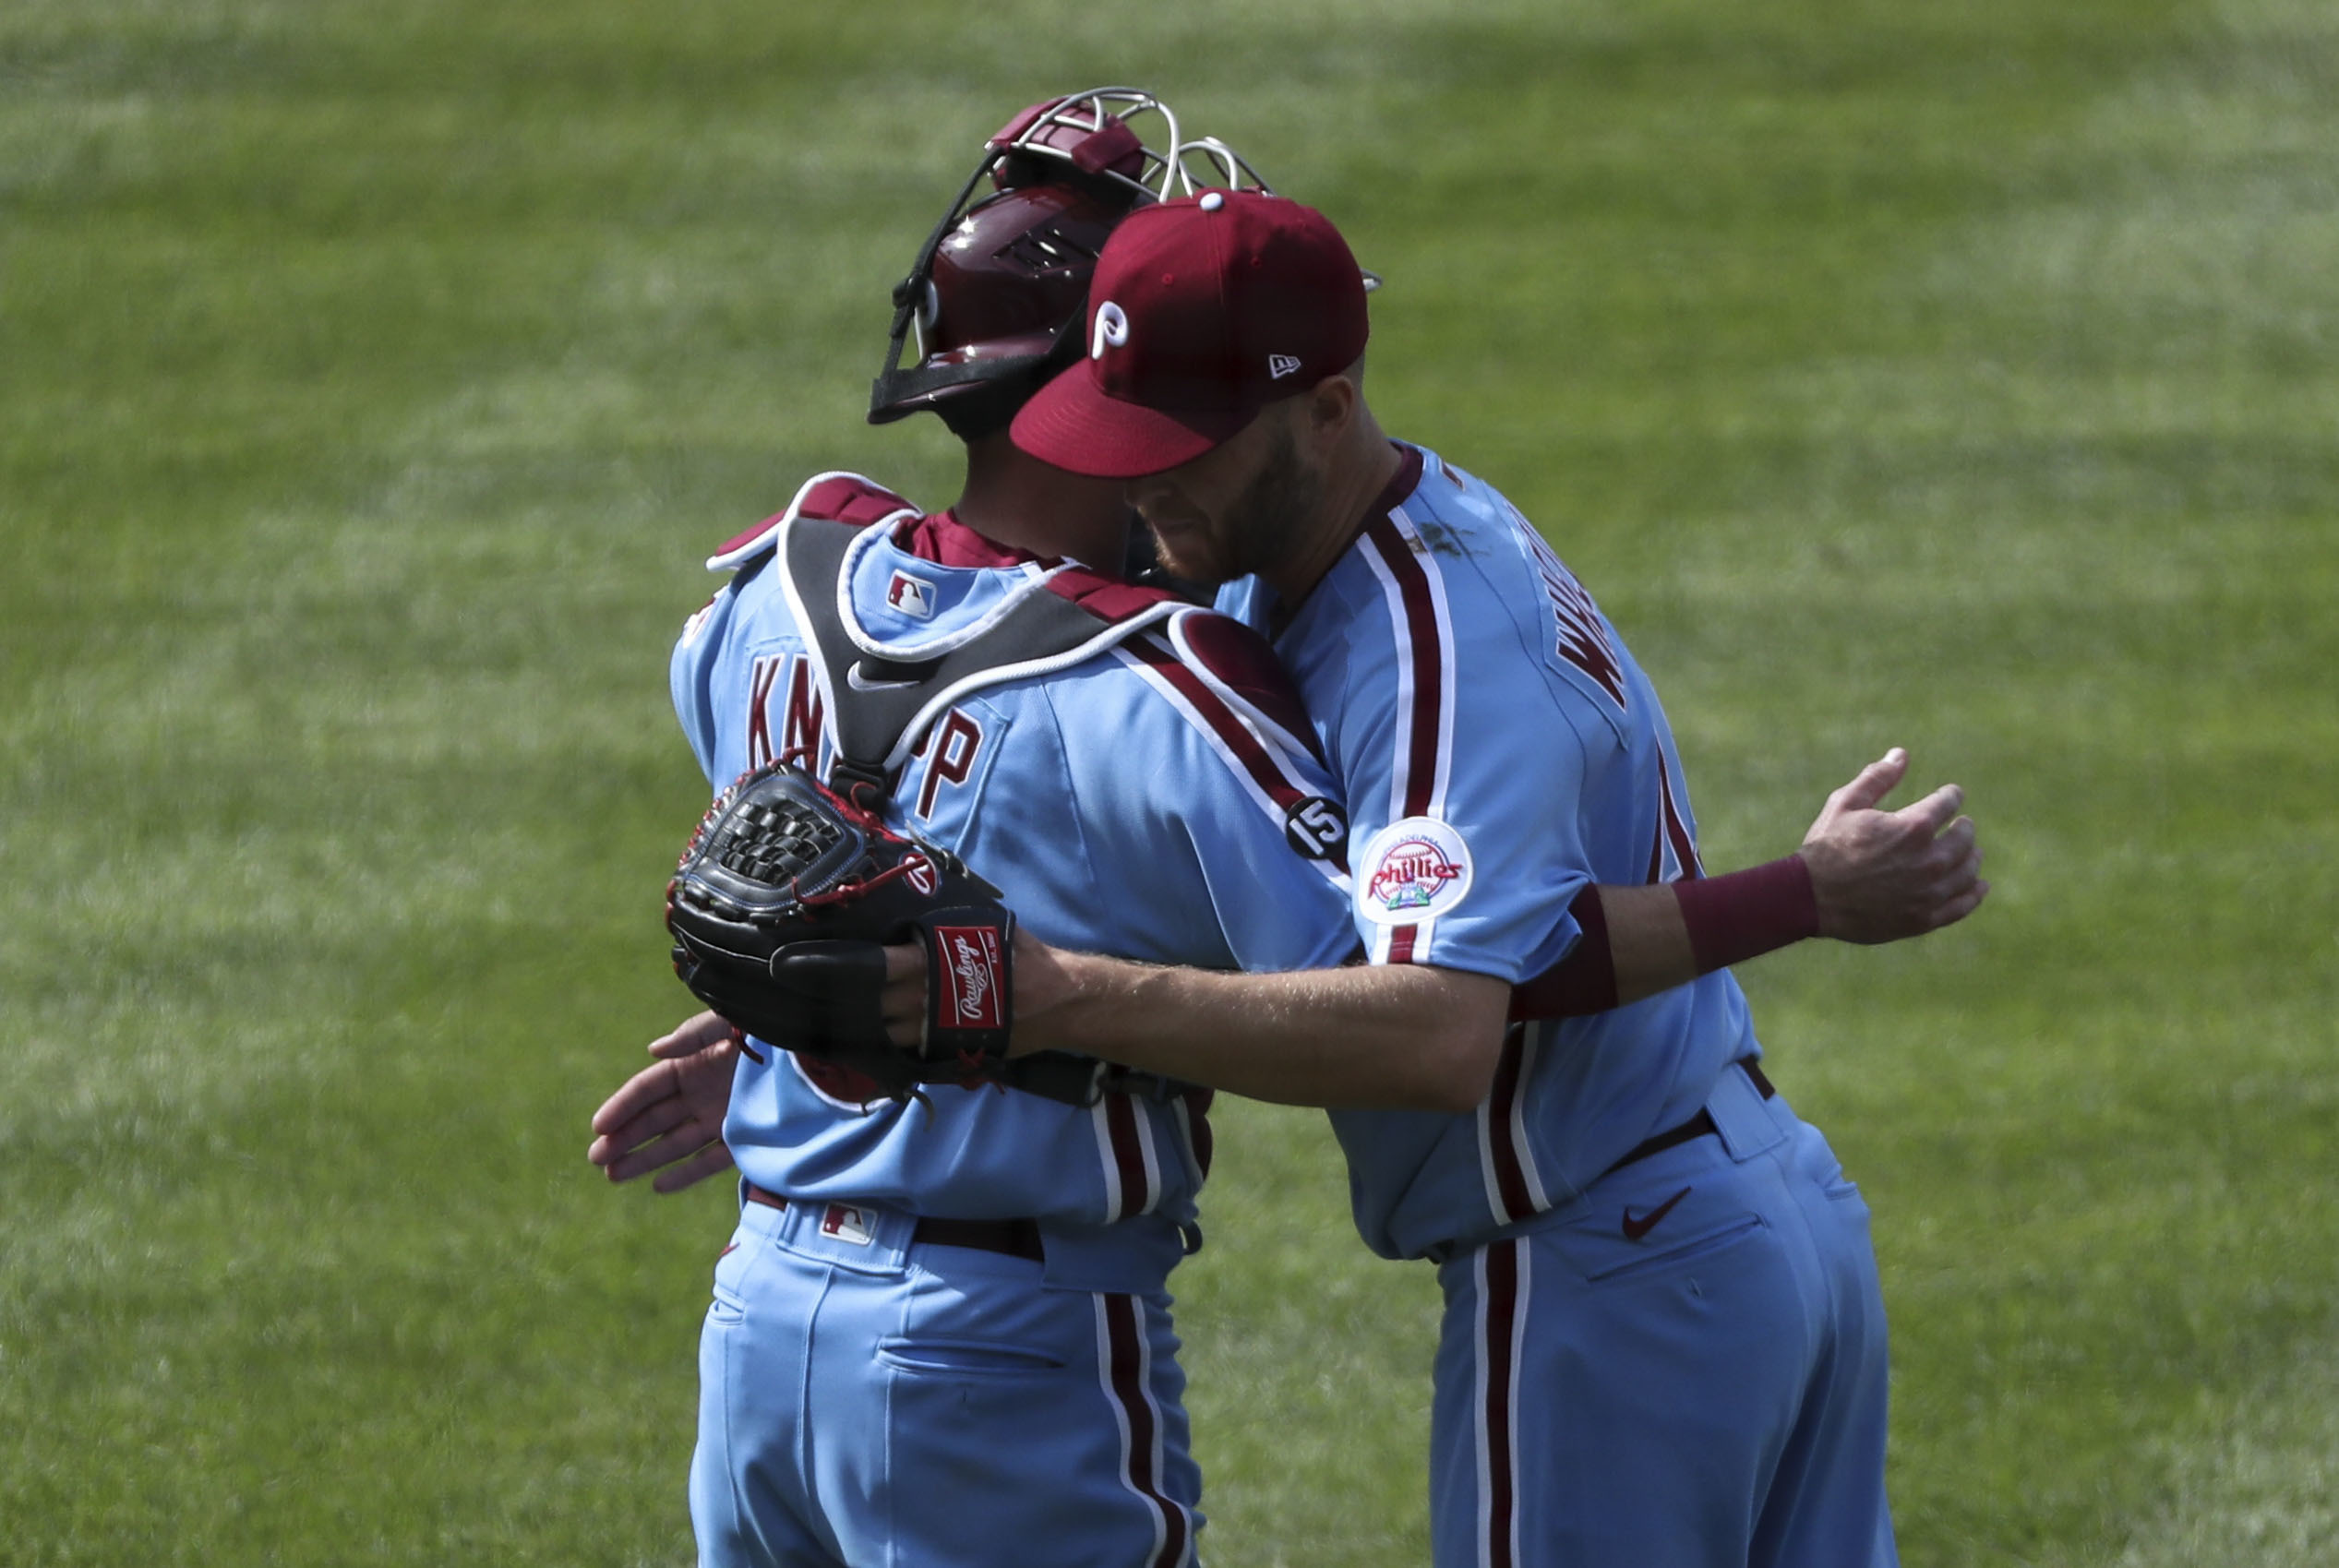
(914, 596)
(972, 962)
(1414, 869)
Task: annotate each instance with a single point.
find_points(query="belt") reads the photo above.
(1016, 1237)
(1697, 1126)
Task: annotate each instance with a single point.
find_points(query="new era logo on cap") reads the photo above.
(1207, 309)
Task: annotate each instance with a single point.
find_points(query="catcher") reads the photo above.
(940, 1333)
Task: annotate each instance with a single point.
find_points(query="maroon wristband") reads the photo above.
(1747, 913)
(1582, 983)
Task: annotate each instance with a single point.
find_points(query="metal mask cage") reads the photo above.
(1063, 132)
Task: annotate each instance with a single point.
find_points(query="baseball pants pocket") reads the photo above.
(1062, 1442)
(966, 1358)
(1691, 1248)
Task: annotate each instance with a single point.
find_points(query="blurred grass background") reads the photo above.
(373, 378)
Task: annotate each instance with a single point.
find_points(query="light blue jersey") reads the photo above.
(1653, 1350)
(883, 1377)
(1498, 749)
(1132, 802)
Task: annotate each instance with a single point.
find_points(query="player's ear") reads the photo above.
(1331, 408)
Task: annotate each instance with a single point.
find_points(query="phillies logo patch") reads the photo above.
(914, 596)
(971, 965)
(1414, 869)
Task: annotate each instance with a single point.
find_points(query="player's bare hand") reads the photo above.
(701, 1031)
(668, 1117)
(1880, 876)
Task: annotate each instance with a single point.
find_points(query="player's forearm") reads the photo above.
(1638, 942)
(1395, 1036)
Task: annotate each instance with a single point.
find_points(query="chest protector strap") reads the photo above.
(878, 710)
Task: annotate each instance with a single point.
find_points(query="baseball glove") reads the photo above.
(781, 903)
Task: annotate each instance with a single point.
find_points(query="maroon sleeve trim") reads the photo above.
(1582, 983)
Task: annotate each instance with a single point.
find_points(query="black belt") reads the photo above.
(1016, 1237)
(1696, 1126)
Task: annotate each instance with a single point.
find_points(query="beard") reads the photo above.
(1262, 528)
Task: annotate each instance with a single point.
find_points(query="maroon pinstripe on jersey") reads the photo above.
(1127, 1360)
(1129, 1152)
(1224, 723)
(1502, 1312)
(1423, 646)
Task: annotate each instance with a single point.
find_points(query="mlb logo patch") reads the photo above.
(846, 1224)
(914, 596)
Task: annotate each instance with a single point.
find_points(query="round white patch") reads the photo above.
(1211, 201)
(1412, 870)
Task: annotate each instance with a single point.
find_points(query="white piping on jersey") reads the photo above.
(1408, 696)
(1234, 763)
(1035, 579)
(1100, 1123)
(1151, 1156)
(740, 555)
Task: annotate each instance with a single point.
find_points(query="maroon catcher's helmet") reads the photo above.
(1000, 290)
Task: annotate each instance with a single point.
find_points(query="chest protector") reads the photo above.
(880, 708)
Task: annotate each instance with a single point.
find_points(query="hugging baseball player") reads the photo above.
(1664, 1339)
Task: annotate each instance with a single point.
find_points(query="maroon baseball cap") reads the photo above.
(1203, 311)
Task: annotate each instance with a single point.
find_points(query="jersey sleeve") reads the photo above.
(1463, 765)
(1202, 810)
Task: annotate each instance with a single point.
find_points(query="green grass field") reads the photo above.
(1962, 374)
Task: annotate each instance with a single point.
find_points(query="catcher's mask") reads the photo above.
(1000, 290)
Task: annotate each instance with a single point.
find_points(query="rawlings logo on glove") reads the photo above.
(780, 909)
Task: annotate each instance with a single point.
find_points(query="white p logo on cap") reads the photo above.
(1111, 330)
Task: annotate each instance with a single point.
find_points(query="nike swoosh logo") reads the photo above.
(1636, 1228)
(854, 678)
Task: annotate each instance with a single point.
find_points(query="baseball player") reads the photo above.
(1663, 1340)
(940, 1333)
